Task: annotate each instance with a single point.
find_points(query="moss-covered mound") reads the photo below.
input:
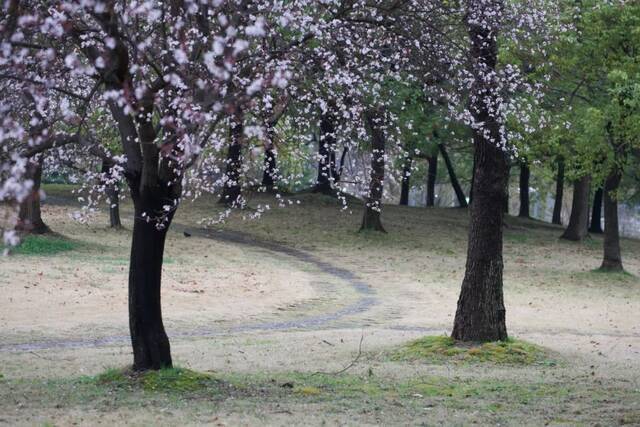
(173, 380)
(443, 348)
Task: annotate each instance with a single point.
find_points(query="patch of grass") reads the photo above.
(614, 274)
(59, 188)
(516, 237)
(495, 394)
(176, 380)
(45, 245)
(309, 391)
(170, 381)
(195, 395)
(607, 278)
(443, 348)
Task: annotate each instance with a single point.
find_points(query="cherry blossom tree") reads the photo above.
(168, 73)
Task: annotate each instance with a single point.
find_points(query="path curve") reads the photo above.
(365, 300)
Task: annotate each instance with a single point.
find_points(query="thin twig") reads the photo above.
(349, 366)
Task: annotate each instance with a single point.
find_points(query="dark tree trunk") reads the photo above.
(579, 219)
(432, 175)
(462, 200)
(343, 160)
(612, 260)
(596, 213)
(231, 192)
(155, 181)
(480, 315)
(327, 155)
(557, 206)
(270, 174)
(373, 206)
(525, 176)
(30, 215)
(113, 196)
(114, 208)
(406, 181)
(151, 349)
(473, 180)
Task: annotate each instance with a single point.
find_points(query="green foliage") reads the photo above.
(45, 245)
(443, 348)
(597, 77)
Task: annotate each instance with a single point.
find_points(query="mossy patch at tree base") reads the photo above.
(170, 380)
(443, 348)
(614, 273)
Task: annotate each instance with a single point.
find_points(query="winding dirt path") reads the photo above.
(365, 298)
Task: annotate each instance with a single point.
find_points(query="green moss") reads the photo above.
(45, 245)
(614, 274)
(309, 391)
(443, 348)
(176, 380)
(112, 377)
(172, 380)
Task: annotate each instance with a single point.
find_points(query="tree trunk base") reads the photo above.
(373, 227)
(231, 198)
(38, 228)
(573, 237)
(611, 267)
(371, 221)
(323, 189)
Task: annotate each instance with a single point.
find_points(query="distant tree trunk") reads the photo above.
(462, 200)
(596, 213)
(231, 192)
(406, 181)
(30, 216)
(373, 206)
(327, 155)
(557, 206)
(579, 220)
(612, 260)
(343, 161)
(507, 190)
(480, 315)
(113, 196)
(270, 174)
(432, 175)
(151, 349)
(525, 176)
